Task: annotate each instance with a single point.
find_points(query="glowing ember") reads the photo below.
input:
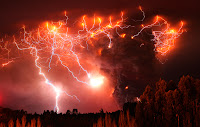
(123, 35)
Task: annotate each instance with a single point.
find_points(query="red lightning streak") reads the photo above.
(53, 44)
(165, 39)
(5, 53)
(5, 64)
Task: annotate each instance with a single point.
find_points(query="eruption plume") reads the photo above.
(78, 48)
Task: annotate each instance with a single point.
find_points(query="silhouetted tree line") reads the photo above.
(170, 105)
(47, 119)
(162, 105)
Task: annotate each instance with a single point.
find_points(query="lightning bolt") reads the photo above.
(5, 64)
(53, 41)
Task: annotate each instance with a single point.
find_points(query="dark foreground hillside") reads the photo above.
(161, 105)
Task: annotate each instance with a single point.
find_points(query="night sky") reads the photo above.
(22, 88)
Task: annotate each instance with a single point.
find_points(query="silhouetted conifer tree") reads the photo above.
(33, 122)
(24, 121)
(38, 122)
(18, 124)
(11, 123)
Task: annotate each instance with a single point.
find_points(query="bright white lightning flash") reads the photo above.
(96, 81)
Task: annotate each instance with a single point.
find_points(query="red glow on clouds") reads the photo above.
(75, 50)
